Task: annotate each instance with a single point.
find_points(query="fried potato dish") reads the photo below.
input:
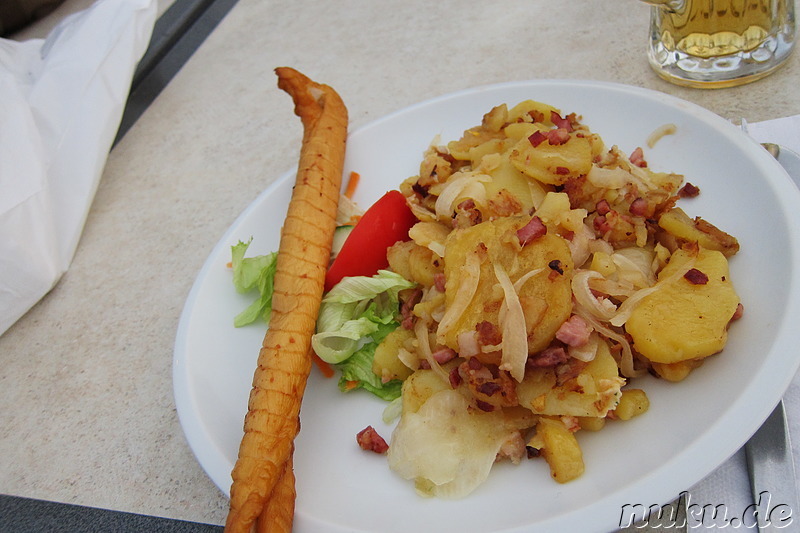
(549, 271)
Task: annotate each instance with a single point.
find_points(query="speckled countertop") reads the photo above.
(87, 412)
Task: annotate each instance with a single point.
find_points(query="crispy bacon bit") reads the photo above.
(602, 207)
(536, 115)
(564, 123)
(484, 406)
(728, 243)
(639, 207)
(562, 171)
(407, 307)
(536, 138)
(688, 191)
(488, 333)
(443, 355)
(474, 364)
(738, 313)
(574, 331)
(531, 231)
(551, 356)
(420, 190)
(569, 370)
(455, 378)
(488, 388)
(467, 214)
(555, 266)
(601, 224)
(637, 158)
(695, 277)
(439, 281)
(557, 136)
(467, 204)
(369, 440)
(489, 385)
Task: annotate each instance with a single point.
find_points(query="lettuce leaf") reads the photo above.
(357, 369)
(354, 310)
(355, 316)
(250, 273)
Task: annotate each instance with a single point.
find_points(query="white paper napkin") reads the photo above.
(784, 131)
(61, 101)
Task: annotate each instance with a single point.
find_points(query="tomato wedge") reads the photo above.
(364, 251)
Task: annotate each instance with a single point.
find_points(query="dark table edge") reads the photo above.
(176, 35)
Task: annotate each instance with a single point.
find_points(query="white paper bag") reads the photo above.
(61, 101)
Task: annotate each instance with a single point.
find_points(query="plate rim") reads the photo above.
(734, 437)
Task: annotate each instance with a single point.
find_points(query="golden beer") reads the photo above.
(720, 43)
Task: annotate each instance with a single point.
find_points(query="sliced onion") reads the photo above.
(626, 309)
(588, 351)
(468, 344)
(435, 313)
(600, 245)
(467, 286)
(661, 131)
(641, 178)
(636, 176)
(410, 359)
(512, 323)
(525, 277)
(626, 359)
(580, 245)
(601, 309)
(617, 289)
(424, 344)
(634, 266)
(347, 210)
(456, 187)
(437, 248)
(608, 178)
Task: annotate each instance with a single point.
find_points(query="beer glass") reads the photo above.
(719, 43)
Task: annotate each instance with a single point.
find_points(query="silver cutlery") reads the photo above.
(770, 466)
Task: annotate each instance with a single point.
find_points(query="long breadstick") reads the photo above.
(271, 423)
(278, 514)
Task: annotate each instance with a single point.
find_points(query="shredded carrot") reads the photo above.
(352, 184)
(350, 385)
(325, 368)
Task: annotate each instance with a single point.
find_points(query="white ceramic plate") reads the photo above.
(691, 427)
